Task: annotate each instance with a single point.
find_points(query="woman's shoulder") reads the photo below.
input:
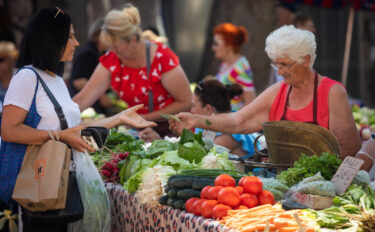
(108, 56)
(243, 60)
(327, 84)
(25, 74)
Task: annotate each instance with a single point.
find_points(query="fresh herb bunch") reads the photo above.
(307, 166)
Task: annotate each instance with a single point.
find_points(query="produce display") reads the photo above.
(198, 177)
(365, 120)
(307, 166)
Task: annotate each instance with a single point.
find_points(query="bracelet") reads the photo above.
(50, 135)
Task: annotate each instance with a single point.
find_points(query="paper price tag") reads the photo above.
(346, 173)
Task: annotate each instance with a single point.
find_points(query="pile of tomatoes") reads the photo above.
(216, 200)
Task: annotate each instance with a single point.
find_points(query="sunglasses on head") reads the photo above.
(58, 12)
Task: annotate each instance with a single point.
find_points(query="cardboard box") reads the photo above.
(311, 201)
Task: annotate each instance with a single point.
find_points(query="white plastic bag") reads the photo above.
(97, 211)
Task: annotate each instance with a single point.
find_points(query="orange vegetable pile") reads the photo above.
(268, 218)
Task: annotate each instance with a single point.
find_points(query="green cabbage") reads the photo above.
(215, 160)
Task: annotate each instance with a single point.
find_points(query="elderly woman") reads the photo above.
(163, 86)
(304, 95)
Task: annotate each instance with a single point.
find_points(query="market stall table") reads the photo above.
(128, 215)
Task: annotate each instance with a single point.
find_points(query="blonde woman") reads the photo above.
(124, 68)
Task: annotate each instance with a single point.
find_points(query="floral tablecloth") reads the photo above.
(128, 215)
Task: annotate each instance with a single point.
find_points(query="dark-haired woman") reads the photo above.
(29, 115)
(235, 68)
(212, 97)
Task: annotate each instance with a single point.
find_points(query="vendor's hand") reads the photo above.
(131, 118)
(149, 135)
(72, 137)
(187, 121)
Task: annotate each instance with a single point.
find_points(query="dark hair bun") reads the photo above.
(233, 90)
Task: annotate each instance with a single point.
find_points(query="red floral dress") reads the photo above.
(133, 85)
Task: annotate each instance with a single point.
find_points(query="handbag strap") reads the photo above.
(58, 109)
(148, 65)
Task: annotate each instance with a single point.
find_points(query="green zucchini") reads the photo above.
(188, 193)
(179, 204)
(163, 200)
(172, 193)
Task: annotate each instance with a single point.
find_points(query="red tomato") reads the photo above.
(266, 197)
(207, 208)
(213, 192)
(252, 185)
(220, 210)
(242, 207)
(225, 180)
(197, 206)
(240, 183)
(249, 200)
(229, 196)
(239, 189)
(189, 204)
(204, 192)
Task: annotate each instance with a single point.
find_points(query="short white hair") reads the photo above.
(290, 42)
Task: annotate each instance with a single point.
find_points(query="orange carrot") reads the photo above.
(288, 229)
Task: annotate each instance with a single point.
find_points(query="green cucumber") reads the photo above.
(178, 177)
(171, 201)
(172, 193)
(188, 193)
(186, 182)
(200, 184)
(211, 173)
(179, 204)
(163, 200)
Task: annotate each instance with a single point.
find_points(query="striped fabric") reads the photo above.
(240, 73)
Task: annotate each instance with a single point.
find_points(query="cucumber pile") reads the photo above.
(180, 188)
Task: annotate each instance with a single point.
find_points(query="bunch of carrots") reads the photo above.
(268, 218)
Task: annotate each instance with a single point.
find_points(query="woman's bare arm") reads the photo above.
(14, 130)
(341, 122)
(177, 85)
(98, 83)
(247, 120)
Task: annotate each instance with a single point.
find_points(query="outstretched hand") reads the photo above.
(131, 118)
(149, 135)
(187, 121)
(72, 137)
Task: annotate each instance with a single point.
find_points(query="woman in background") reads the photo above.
(235, 68)
(125, 69)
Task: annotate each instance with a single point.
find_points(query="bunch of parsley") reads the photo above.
(307, 166)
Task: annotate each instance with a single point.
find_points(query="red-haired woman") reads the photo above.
(235, 68)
